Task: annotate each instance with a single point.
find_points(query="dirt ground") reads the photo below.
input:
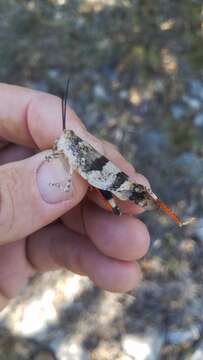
(137, 81)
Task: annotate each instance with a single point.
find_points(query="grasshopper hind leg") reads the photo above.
(111, 202)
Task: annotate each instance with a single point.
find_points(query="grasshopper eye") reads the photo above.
(137, 196)
(138, 188)
(137, 191)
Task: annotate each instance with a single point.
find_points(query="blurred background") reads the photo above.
(136, 80)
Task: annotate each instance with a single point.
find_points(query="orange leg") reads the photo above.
(109, 201)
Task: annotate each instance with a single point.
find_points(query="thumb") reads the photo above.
(28, 198)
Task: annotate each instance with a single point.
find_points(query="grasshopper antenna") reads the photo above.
(64, 104)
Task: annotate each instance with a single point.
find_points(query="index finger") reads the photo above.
(33, 118)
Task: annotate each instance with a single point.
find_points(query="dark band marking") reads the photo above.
(106, 194)
(137, 197)
(117, 211)
(121, 177)
(76, 140)
(98, 164)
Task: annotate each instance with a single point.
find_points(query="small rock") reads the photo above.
(123, 94)
(197, 229)
(37, 315)
(198, 353)
(147, 347)
(183, 337)
(104, 44)
(192, 102)
(79, 21)
(153, 142)
(190, 164)
(53, 73)
(198, 120)
(178, 111)
(44, 355)
(100, 92)
(158, 85)
(71, 351)
(135, 96)
(197, 88)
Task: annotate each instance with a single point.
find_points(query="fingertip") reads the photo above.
(141, 238)
(117, 276)
(124, 238)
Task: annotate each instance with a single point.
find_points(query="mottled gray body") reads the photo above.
(100, 172)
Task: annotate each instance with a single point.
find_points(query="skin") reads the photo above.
(39, 235)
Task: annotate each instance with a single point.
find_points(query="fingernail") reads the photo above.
(52, 177)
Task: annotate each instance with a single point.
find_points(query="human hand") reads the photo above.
(43, 228)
